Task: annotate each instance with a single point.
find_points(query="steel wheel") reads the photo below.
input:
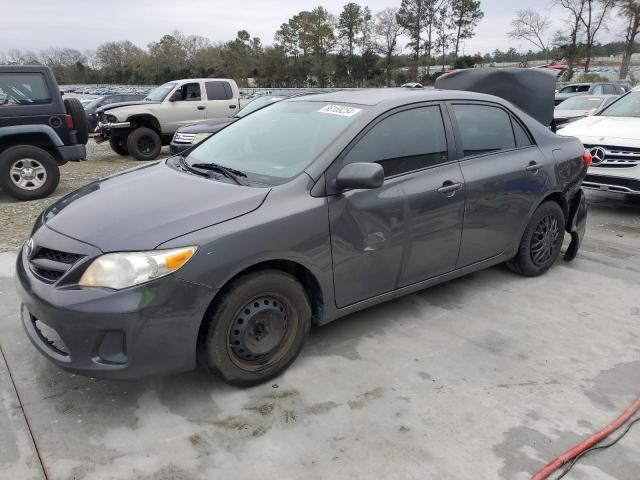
(544, 240)
(28, 174)
(260, 334)
(146, 144)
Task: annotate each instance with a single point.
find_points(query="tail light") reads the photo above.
(69, 119)
(587, 158)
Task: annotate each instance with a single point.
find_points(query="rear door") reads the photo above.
(505, 175)
(373, 231)
(220, 100)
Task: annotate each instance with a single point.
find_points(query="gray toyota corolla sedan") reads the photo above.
(301, 213)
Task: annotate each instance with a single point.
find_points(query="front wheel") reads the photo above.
(258, 328)
(28, 173)
(541, 242)
(119, 145)
(144, 144)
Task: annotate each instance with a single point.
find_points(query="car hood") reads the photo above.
(111, 106)
(559, 113)
(144, 207)
(604, 128)
(210, 126)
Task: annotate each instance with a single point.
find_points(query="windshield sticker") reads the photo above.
(341, 110)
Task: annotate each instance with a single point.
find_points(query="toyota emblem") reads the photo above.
(29, 247)
(598, 155)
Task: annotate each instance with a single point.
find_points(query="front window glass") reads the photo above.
(160, 93)
(484, 129)
(403, 142)
(278, 142)
(627, 106)
(23, 89)
(257, 104)
(580, 103)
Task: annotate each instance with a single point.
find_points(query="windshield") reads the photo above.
(278, 142)
(158, 94)
(627, 106)
(257, 104)
(580, 103)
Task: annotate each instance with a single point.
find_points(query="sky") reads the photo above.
(80, 24)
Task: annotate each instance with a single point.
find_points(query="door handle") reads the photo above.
(533, 167)
(201, 107)
(232, 107)
(449, 188)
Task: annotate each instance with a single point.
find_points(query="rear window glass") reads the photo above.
(218, 90)
(23, 89)
(484, 129)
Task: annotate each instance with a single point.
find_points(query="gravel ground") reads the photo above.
(18, 217)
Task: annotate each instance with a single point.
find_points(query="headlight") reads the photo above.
(110, 118)
(122, 270)
(200, 137)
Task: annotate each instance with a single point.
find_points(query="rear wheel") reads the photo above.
(119, 145)
(80, 122)
(541, 242)
(144, 144)
(28, 173)
(258, 328)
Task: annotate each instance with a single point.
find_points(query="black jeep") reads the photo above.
(38, 131)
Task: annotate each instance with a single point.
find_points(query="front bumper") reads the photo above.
(176, 148)
(105, 129)
(72, 153)
(615, 180)
(144, 330)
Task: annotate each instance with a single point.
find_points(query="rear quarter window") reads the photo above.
(23, 89)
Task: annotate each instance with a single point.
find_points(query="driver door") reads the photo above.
(185, 106)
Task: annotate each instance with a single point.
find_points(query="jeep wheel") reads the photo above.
(257, 329)
(119, 145)
(80, 122)
(28, 173)
(144, 144)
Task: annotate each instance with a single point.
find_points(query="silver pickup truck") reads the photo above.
(141, 128)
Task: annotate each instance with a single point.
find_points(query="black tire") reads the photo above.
(43, 178)
(541, 242)
(237, 348)
(80, 122)
(119, 145)
(144, 144)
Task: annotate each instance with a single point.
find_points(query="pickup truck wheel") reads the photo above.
(28, 173)
(119, 145)
(144, 144)
(80, 122)
(258, 328)
(541, 242)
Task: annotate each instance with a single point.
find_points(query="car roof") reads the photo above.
(390, 97)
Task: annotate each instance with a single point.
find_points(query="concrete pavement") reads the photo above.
(486, 377)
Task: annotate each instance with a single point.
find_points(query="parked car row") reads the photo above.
(600, 88)
(106, 90)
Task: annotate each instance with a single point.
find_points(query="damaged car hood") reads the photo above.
(142, 208)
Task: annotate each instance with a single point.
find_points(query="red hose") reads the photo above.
(554, 465)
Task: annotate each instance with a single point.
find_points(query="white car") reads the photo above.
(613, 138)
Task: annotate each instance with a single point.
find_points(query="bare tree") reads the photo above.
(575, 9)
(592, 18)
(387, 31)
(531, 26)
(631, 10)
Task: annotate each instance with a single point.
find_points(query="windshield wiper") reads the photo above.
(228, 172)
(185, 166)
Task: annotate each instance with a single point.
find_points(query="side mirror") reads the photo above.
(175, 96)
(360, 175)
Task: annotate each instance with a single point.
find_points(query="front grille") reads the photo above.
(615, 157)
(50, 265)
(184, 138)
(50, 337)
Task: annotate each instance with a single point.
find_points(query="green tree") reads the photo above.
(349, 27)
(387, 31)
(413, 16)
(630, 9)
(465, 15)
